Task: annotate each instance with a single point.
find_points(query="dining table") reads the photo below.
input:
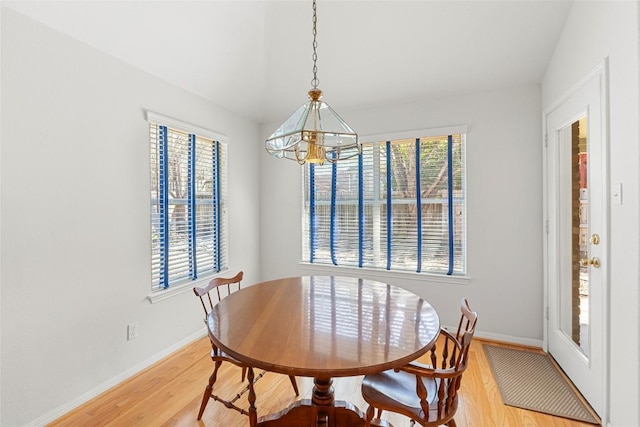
(322, 327)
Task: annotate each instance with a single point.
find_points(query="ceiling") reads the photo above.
(254, 57)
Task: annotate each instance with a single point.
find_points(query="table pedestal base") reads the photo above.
(304, 413)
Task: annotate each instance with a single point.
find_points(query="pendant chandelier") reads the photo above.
(314, 133)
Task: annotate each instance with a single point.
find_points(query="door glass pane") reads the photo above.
(575, 295)
(584, 240)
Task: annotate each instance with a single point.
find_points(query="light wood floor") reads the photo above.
(169, 394)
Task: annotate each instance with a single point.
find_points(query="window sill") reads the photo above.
(178, 289)
(382, 275)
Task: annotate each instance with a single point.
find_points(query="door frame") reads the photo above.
(599, 72)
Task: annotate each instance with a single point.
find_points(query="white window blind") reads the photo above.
(400, 205)
(188, 205)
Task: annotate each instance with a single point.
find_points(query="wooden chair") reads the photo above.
(428, 394)
(232, 284)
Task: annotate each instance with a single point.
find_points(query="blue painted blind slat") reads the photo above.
(389, 204)
(312, 212)
(216, 207)
(163, 160)
(418, 209)
(191, 204)
(450, 201)
(360, 210)
(332, 224)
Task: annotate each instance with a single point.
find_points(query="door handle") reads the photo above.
(586, 262)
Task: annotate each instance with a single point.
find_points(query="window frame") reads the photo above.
(219, 179)
(460, 277)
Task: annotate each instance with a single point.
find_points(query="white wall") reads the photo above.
(504, 185)
(75, 218)
(595, 31)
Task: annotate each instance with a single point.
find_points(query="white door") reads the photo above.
(576, 239)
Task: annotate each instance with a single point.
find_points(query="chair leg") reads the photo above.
(294, 384)
(244, 373)
(451, 423)
(253, 415)
(207, 391)
(369, 416)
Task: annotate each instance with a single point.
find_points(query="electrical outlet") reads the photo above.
(132, 331)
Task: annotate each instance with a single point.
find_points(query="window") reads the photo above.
(400, 205)
(188, 202)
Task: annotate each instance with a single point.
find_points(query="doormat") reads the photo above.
(532, 381)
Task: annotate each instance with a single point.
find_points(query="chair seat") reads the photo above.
(428, 394)
(398, 390)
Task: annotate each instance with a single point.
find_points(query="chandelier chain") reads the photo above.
(315, 80)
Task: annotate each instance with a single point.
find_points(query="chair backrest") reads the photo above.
(446, 353)
(449, 359)
(465, 332)
(232, 284)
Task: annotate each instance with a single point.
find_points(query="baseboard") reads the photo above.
(529, 342)
(69, 406)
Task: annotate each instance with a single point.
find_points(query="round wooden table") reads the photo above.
(322, 327)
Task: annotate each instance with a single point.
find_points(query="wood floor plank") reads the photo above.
(169, 394)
